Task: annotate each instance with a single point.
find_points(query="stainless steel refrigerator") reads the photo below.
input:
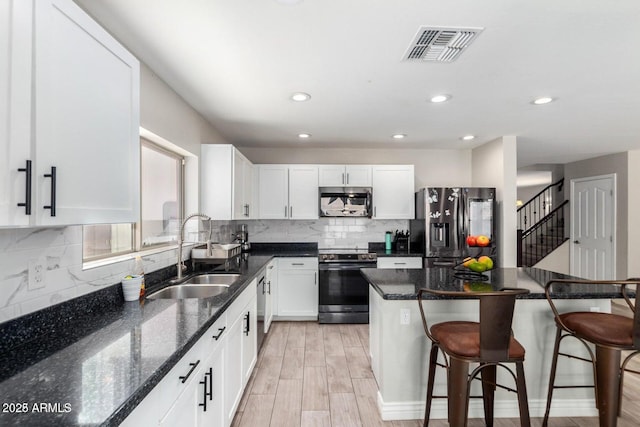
(446, 216)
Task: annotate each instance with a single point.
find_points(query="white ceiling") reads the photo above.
(238, 61)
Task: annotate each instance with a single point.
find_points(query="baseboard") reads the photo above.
(502, 409)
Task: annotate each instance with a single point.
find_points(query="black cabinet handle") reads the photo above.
(193, 366)
(27, 202)
(269, 283)
(220, 331)
(204, 397)
(207, 394)
(248, 319)
(52, 175)
(210, 373)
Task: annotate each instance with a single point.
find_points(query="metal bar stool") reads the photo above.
(610, 334)
(490, 343)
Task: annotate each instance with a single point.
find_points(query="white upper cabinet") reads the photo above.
(226, 181)
(344, 175)
(303, 192)
(242, 186)
(288, 191)
(273, 191)
(74, 97)
(393, 192)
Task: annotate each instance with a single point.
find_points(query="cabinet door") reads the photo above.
(248, 189)
(393, 192)
(297, 293)
(184, 410)
(249, 340)
(273, 192)
(211, 400)
(15, 109)
(303, 192)
(331, 175)
(270, 279)
(239, 204)
(86, 120)
(233, 369)
(358, 175)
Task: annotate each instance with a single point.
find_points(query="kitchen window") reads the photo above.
(161, 206)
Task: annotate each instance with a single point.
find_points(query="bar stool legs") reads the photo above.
(430, 382)
(608, 381)
(488, 376)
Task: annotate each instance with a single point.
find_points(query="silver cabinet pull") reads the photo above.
(343, 177)
(285, 212)
(347, 178)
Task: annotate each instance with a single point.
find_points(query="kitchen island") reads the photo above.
(399, 348)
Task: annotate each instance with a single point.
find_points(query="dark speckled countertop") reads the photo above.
(403, 284)
(93, 359)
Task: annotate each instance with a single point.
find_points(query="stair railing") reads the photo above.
(543, 237)
(539, 206)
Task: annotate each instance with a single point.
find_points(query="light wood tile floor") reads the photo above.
(310, 375)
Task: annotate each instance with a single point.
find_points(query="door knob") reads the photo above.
(577, 242)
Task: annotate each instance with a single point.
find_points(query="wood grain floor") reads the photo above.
(310, 375)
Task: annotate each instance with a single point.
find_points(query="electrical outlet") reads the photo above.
(405, 316)
(36, 273)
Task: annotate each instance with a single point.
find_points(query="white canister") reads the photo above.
(131, 287)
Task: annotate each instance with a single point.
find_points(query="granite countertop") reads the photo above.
(93, 359)
(403, 284)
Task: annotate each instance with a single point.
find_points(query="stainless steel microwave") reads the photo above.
(345, 202)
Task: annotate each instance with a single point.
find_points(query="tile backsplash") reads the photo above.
(60, 251)
(328, 232)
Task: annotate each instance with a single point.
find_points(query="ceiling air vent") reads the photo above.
(440, 44)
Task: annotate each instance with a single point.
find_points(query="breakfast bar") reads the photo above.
(399, 348)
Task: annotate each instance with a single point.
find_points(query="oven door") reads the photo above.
(343, 293)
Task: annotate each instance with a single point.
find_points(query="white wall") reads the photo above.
(619, 164)
(494, 164)
(166, 115)
(433, 168)
(558, 260)
(633, 208)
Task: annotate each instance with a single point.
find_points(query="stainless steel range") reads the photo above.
(343, 292)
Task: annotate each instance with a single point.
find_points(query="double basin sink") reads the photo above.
(201, 286)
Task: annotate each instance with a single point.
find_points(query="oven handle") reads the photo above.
(346, 266)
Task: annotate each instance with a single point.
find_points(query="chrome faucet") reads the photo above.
(180, 265)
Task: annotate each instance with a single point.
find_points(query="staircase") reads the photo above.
(541, 225)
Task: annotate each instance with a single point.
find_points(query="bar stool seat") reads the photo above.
(463, 338)
(600, 328)
(489, 344)
(610, 334)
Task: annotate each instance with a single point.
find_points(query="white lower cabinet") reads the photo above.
(399, 262)
(241, 349)
(211, 399)
(205, 386)
(297, 292)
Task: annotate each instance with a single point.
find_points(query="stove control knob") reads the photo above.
(370, 256)
(324, 257)
(332, 256)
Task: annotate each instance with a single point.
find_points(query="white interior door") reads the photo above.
(593, 207)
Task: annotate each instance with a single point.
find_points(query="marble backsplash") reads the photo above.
(60, 251)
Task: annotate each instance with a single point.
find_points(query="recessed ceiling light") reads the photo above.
(300, 96)
(399, 136)
(440, 98)
(304, 135)
(542, 100)
(468, 137)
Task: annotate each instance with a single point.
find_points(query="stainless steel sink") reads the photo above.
(191, 290)
(212, 279)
